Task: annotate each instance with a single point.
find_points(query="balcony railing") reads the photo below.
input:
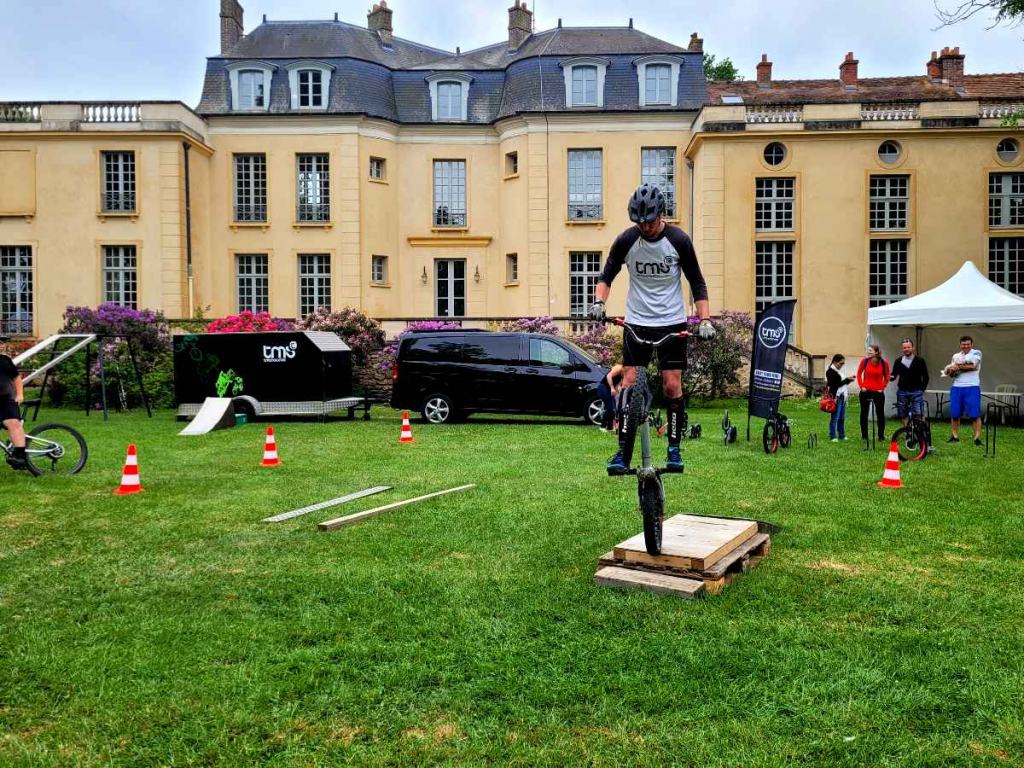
(19, 113)
(585, 212)
(1000, 109)
(110, 113)
(446, 218)
(775, 114)
(251, 213)
(119, 202)
(21, 325)
(315, 212)
(889, 112)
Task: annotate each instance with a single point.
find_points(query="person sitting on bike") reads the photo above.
(11, 396)
(657, 255)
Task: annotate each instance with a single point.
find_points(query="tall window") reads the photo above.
(16, 304)
(251, 187)
(314, 282)
(1006, 200)
(120, 276)
(585, 187)
(890, 196)
(449, 101)
(773, 273)
(449, 193)
(773, 208)
(584, 272)
(250, 90)
(311, 88)
(658, 77)
(1006, 263)
(450, 282)
(658, 167)
(252, 282)
(379, 270)
(888, 272)
(584, 86)
(119, 182)
(314, 188)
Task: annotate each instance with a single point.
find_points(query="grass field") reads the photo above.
(172, 628)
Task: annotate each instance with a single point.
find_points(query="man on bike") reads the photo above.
(11, 396)
(657, 256)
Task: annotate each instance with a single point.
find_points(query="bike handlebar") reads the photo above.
(623, 324)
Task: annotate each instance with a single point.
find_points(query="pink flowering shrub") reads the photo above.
(363, 334)
(390, 351)
(249, 322)
(604, 345)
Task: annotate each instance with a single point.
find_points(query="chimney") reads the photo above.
(764, 72)
(379, 20)
(231, 26)
(934, 68)
(696, 44)
(951, 63)
(520, 25)
(848, 72)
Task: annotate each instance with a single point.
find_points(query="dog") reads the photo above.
(958, 359)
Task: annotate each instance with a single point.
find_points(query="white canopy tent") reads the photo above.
(967, 303)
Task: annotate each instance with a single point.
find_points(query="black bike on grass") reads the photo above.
(50, 449)
(776, 431)
(914, 440)
(634, 406)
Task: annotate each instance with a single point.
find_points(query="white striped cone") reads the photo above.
(406, 429)
(891, 476)
(270, 451)
(130, 475)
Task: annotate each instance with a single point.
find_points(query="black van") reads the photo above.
(447, 374)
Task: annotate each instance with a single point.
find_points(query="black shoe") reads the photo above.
(16, 463)
(953, 440)
(977, 441)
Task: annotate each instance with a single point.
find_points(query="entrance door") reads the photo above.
(450, 280)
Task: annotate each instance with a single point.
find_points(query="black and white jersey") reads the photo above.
(656, 268)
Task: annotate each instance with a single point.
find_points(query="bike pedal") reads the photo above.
(671, 470)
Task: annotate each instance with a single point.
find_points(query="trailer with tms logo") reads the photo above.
(283, 373)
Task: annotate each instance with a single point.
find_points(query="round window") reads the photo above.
(775, 153)
(1008, 150)
(889, 152)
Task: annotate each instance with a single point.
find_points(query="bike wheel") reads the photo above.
(54, 450)
(652, 509)
(636, 413)
(785, 436)
(770, 438)
(909, 444)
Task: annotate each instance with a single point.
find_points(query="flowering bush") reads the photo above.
(714, 364)
(529, 325)
(249, 322)
(390, 351)
(604, 346)
(363, 334)
(148, 329)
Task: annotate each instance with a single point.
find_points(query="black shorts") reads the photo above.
(9, 409)
(671, 354)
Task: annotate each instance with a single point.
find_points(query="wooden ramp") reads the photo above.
(704, 552)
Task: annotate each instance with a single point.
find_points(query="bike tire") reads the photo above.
(785, 436)
(635, 415)
(909, 445)
(770, 438)
(652, 509)
(70, 462)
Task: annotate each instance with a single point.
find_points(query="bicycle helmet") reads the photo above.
(646, 204)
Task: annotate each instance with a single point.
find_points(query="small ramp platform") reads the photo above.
(215, 413)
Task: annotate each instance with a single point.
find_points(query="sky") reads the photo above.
(150, 49)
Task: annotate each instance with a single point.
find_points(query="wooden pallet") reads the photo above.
(690, 542)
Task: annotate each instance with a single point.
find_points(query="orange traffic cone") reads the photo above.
(406, 429)
(130, 476)
(891, 477)
(270, 451)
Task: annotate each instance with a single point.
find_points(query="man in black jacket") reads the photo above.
(912, 373)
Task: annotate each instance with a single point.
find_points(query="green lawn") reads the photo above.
(172, 628)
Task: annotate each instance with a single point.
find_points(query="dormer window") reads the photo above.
(449, 96)
(250, 85)
(310, 84)
(658, 79)
(584, 81)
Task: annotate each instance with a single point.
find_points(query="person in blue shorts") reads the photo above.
(965, 394)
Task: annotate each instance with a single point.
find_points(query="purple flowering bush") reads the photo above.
(714, 365)
(529, 325)
(604, 345)
(363, 334)
(390, 351)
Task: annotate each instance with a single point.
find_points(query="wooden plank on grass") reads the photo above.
(743, 551)
(690, 542)
(358, 517)
(662, 583)
(326, 504)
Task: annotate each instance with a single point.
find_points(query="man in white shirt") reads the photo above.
(965, 394)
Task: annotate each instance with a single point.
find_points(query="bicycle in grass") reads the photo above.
(50, 449)
(634, 416)
(913, 440)
(777, 431)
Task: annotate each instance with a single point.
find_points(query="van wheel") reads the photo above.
(594, 411)
(438, 409)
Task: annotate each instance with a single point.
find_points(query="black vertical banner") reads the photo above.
(768, 357)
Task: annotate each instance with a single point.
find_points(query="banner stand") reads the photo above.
(768, 359)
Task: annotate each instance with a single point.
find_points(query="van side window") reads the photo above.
(434, 348)
(548, 354)
(491, 350)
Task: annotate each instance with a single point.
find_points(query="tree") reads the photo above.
(1005, 12)
(725, 70)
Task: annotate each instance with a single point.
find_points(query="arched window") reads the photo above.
(584, 81)
(310, 84)
(449, 96)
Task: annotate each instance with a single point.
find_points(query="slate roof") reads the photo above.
(389, 82)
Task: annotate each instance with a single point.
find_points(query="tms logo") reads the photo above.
(279, 354)
(772, 332)
(652, 268)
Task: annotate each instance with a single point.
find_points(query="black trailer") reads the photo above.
(283, 373)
